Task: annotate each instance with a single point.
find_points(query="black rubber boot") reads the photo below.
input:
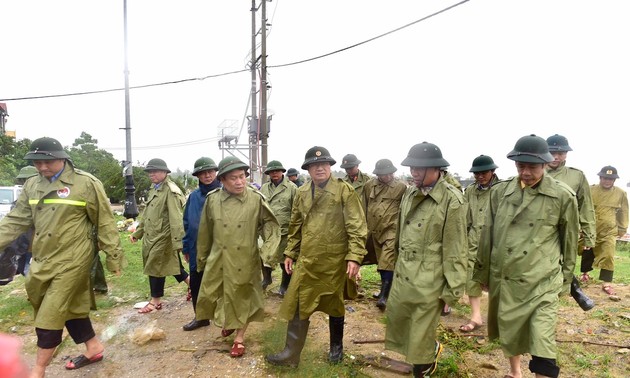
(382, 300)
(580, 297)
(194, 324)
(284, 284)
(588, 257)
(335, 325)
(266, 277)
(296, 337)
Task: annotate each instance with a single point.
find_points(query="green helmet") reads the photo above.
(26, 172)
(46, 149)
(349, 161)
(384, 167)
(425, 155)
(293, 172)
(531, 149)
(274, 165)
(157, 165)
(608, 172)
(558, 143)
(231, 163)
(204, 164)
(483, 163)
(317, 154)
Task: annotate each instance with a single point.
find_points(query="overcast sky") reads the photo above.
(471, 80)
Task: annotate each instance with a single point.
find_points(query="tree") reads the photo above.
(12, 153)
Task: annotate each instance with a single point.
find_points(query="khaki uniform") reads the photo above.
(578, 182)
(359, 183)
(280, 199)
(327, 229)
(382, 204)
(162, 230)
(611, 212)
(64, 214)
(229, 257)
(527, 252)
(431, 268)
(477, 200)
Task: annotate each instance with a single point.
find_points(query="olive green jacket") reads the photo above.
(64, 214)
(611, 209)
(327, 230)
(162, 230)
(477, 200)
(359, 183)
(430, 269)
(229, 256)
(527, 251)
(280, 199)
(578, 182)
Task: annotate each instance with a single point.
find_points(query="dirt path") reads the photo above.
(204, 353)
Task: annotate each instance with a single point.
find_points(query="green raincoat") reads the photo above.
(578, 182)
(327, 229)
(431, 269)
(527, 249)
(280, 199)
(359, 183)
(611, 210)
(161, 230)
(64, 214)
(229, 257)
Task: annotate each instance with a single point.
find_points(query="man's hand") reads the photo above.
(353, 269)
(288, 265)
(186, 257)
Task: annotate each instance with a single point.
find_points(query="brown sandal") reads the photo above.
(608, 289)
(238, 350)
(149, 308)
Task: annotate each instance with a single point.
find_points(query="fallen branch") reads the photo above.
(386, 363)
(593, 343)
(368, 341)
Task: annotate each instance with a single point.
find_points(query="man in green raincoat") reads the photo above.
(232, 220)
(64, 205)
(327, 236)
(431, 267)
(526, 255)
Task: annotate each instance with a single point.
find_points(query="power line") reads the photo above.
(243, 70)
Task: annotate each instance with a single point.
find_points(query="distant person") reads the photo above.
(611, 220)
(327, 237)
(477, 196)
(162, 231)
(205, 169)
(232, 221)
(575, 178)
(294, 177)
(63, 205)
(431, 266)
(280, 193)
(354, 176)
(526, 255)
(381, 196)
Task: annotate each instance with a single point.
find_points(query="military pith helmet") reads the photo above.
(317, 154)
(425, 155)
(608, 172)
(26, 172)
(531, 149)
(46, 149)
(349, 161)
(483, 163)
(293, 172)
(231, 163)
(274, 165)
(157, 165)
(204, 164)
(384, 167)
(558, 143)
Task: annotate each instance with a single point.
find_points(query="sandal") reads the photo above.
(150, 307)
(81, 361)
(238, 349)
(226, 332)
(608, 289)
(469, 327)
(585, 277)
(446, 310)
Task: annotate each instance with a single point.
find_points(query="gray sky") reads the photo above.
(471, 80)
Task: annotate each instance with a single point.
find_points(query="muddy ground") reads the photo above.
(204, 353)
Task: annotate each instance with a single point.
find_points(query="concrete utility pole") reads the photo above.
(131, 209)
(253, 120)
(264, 122)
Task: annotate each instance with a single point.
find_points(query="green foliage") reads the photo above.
(12, 153)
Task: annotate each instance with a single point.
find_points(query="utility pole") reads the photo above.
(131, 209)
(253, 120)
(264, 124)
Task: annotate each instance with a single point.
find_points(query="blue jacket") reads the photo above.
(192, 216)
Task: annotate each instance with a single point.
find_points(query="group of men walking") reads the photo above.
(432, 244)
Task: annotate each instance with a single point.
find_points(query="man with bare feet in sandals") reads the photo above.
(232, 220)
(64, 205)
(526, 255)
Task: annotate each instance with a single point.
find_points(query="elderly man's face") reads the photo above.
(319, 172)
(156, 176)
(49, 168)
(234, 182)
(530, 173)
